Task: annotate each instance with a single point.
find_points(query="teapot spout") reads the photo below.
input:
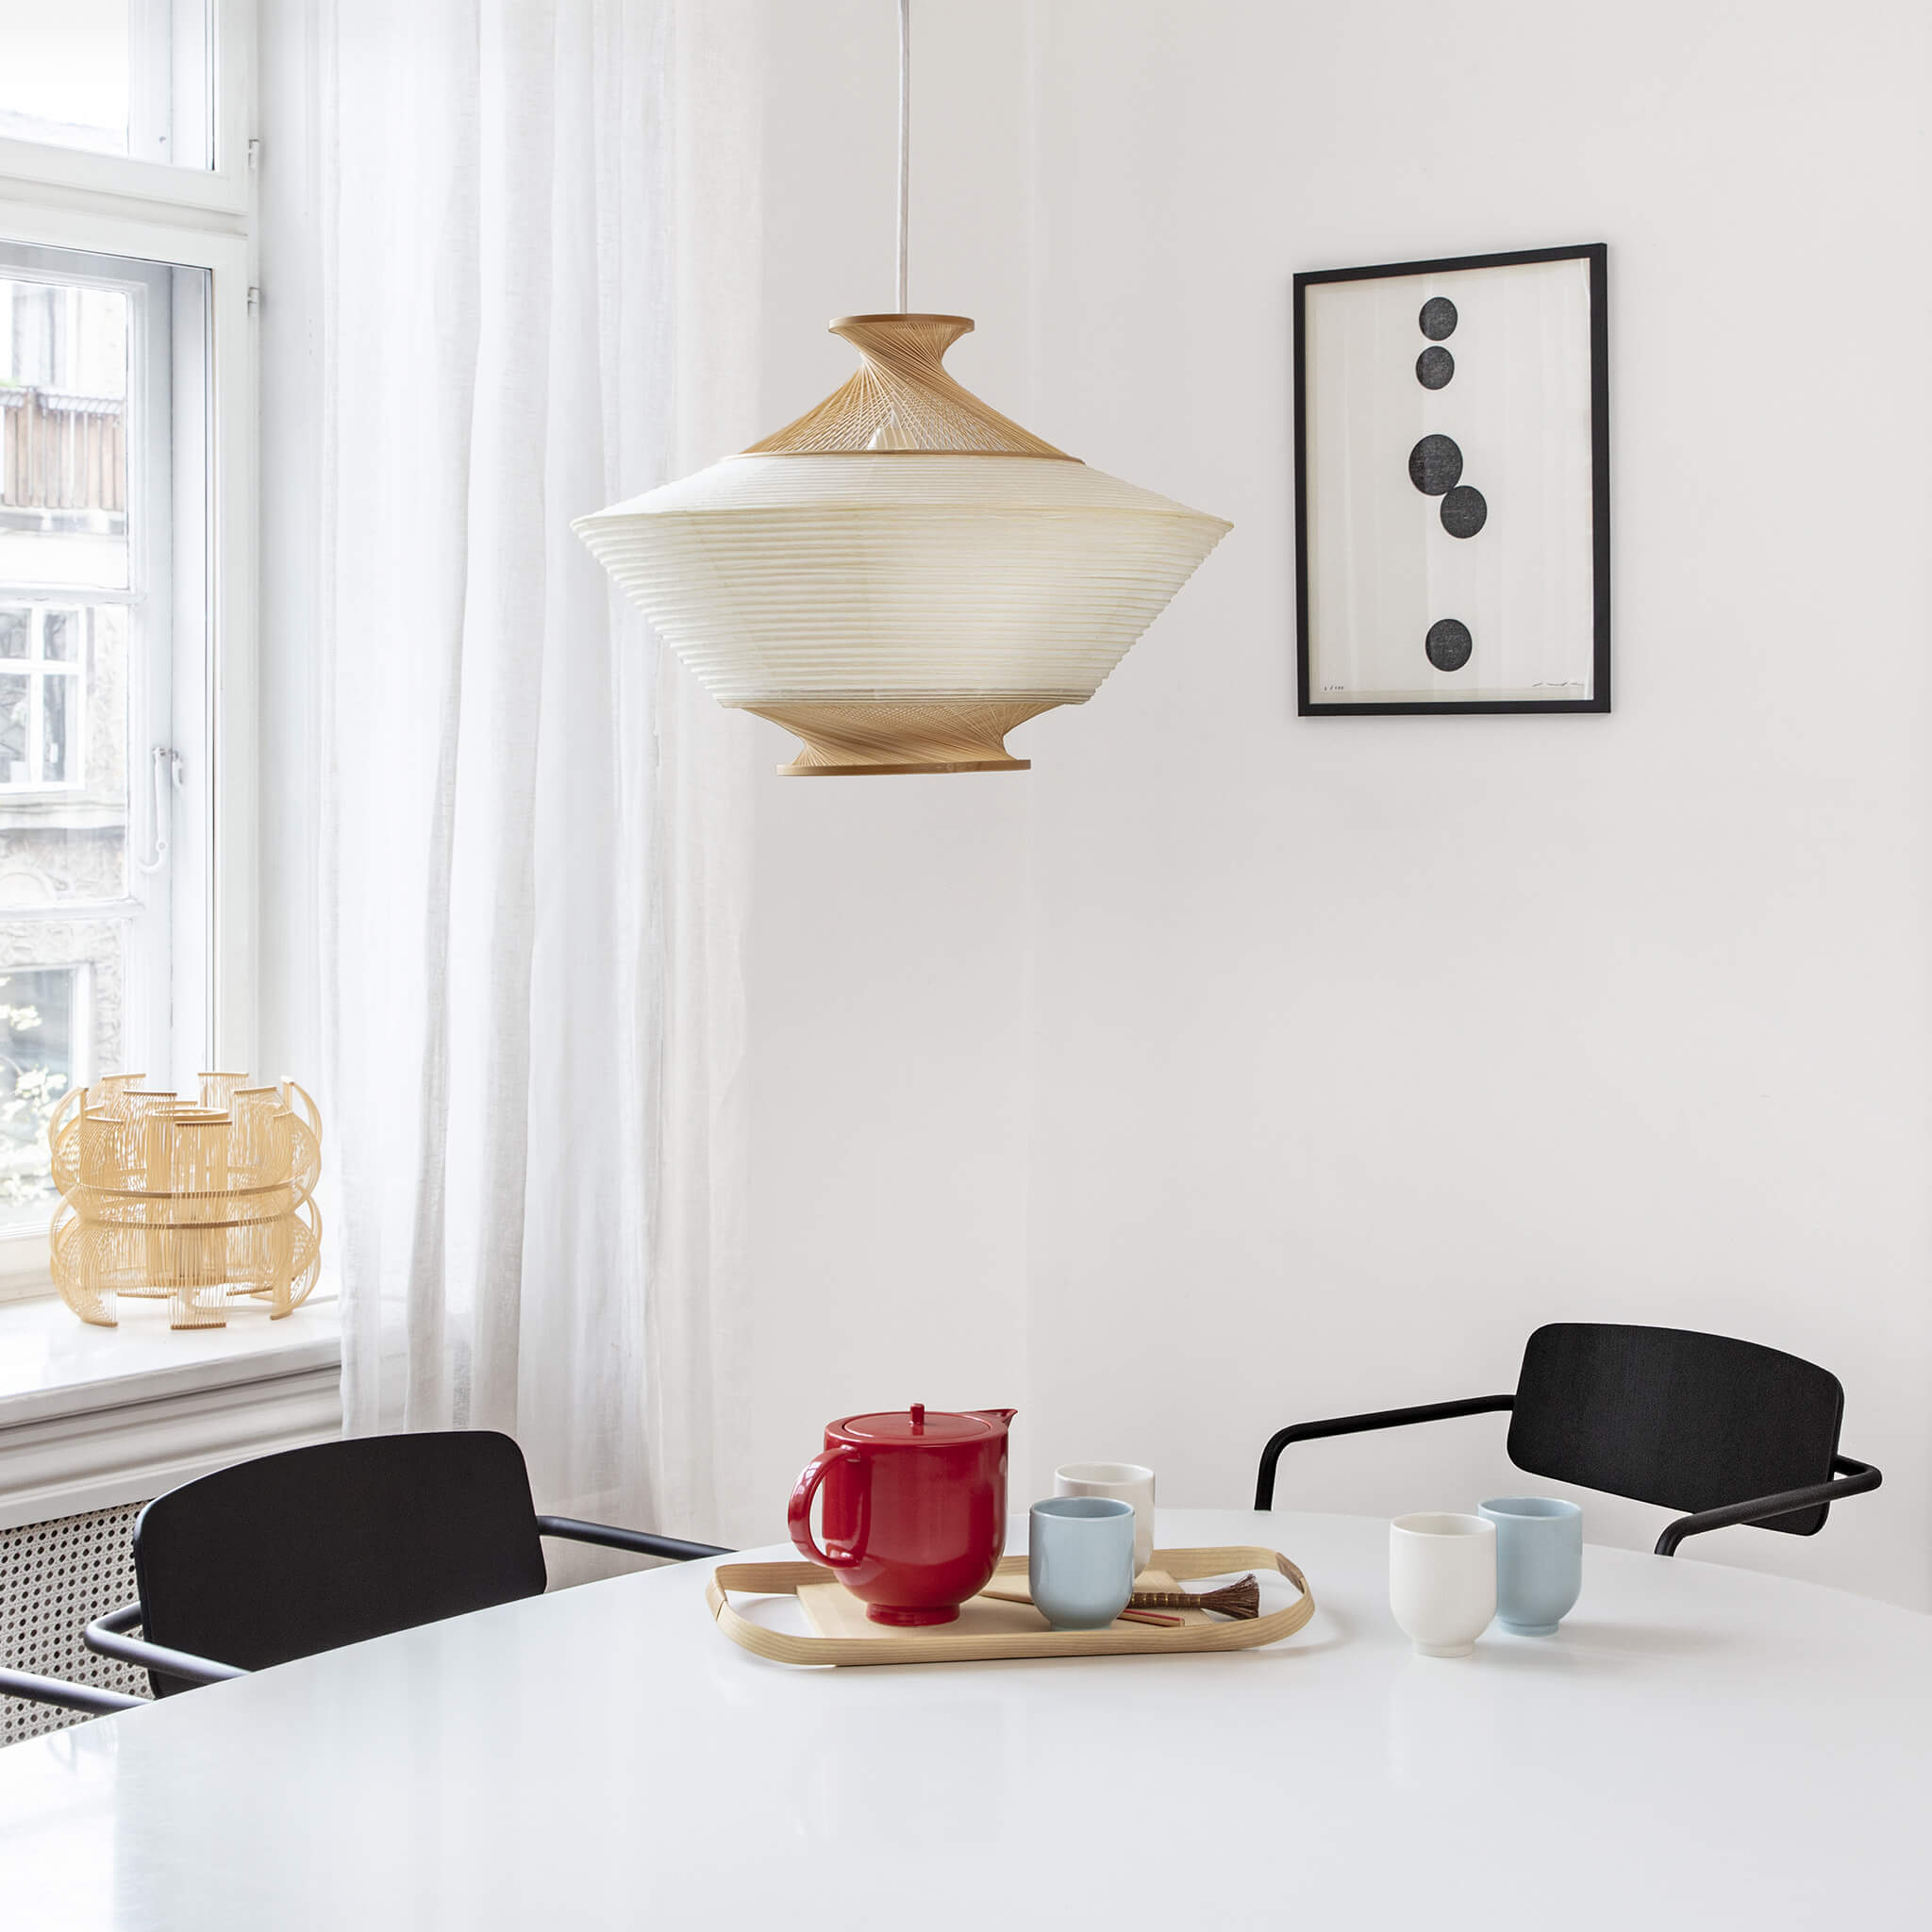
(1001, 1416)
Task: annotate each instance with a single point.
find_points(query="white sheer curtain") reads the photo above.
(538, 294)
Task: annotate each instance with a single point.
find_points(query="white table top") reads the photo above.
(1698, 1746)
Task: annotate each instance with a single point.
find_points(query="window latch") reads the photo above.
(165, 769)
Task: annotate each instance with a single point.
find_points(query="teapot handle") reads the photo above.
(799, 1516)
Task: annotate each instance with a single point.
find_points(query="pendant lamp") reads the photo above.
(902, 575)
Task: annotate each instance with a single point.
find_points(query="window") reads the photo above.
(109, 76)
(46, 1012)
(42, 696)
(126, 565)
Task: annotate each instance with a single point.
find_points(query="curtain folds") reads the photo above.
(536, 255)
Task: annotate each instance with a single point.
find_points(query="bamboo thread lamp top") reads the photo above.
(901, 401)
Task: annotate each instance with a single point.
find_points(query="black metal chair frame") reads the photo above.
(107, 1636)
(83, 1697)
(1851, 1477)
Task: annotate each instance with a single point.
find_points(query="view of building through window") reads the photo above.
(44, 1010)
(83, 638)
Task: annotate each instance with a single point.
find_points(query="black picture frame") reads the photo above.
(1596, 255)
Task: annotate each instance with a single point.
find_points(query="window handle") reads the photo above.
(165, 765)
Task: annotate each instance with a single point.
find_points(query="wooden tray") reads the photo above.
(990, 1628)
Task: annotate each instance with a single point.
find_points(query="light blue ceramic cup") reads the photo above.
(1080, 1559)
(1538, 1561)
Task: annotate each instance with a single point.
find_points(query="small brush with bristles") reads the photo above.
(1237, 1600)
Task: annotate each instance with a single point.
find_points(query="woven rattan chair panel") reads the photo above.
(54, 1576)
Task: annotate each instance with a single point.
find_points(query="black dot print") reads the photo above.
(1464, 512)
(1434, 465)
(1448, 644)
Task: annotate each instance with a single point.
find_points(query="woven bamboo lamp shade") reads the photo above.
(903, 575)
(195, 1202)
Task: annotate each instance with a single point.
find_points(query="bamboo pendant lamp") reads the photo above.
(902, 575)
(194, 1202)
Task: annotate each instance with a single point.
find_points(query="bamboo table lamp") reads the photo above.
(196, 1202)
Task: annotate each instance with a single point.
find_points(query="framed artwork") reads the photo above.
(1452, 485)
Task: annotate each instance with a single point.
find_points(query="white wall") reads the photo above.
(1231, 1068)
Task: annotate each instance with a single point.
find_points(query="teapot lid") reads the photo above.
(922, 1424)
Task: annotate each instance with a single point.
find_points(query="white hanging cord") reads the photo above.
(164, 765)
(905, 136)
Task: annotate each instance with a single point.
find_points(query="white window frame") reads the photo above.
(226, 188)
(193, 218)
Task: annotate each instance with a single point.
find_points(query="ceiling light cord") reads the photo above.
(905, 136)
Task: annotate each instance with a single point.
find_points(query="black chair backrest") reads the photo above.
(1669, 1416)
(301, 1552)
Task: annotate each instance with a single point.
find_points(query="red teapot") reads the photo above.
(915, 1513)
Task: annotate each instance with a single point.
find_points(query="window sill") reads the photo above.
(24, 1268)
(93, 1417)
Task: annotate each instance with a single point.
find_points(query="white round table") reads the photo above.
(1698, 1746)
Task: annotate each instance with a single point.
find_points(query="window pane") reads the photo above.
(60, 636)
(63, 433)
(16, 690)
(114, 76)
(54, 729)
(37, 1043)
(62, 1024)
(65, 779)
(16, 629)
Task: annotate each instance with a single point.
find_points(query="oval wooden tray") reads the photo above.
(988, 1628)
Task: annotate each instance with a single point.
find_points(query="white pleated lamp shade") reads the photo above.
(903, 601)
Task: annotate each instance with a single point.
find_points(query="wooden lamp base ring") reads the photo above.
(850, 739)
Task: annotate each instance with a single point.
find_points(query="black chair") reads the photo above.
(84, 1697)
(1728, 1430)
(314, 1548)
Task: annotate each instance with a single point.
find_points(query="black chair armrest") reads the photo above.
(1858, 1477)
(107, 1637)
(1358, 1424)
(86, 1697)
(639, 1542)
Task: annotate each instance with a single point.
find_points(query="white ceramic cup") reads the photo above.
(1126, 1480)
(1442, 1580)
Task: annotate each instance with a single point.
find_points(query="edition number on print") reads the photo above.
(1452, 470)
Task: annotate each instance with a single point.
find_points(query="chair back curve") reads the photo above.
(1670, 1416)
(313, 1548)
